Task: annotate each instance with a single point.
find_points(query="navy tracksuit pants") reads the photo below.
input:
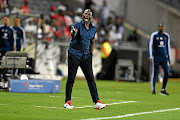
(18, 47)
(86, 66)
(164, 63)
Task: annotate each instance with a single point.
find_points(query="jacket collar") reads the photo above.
(84, 23)
(160, 32)
(5, 25)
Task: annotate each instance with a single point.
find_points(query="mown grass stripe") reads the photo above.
(135, 114)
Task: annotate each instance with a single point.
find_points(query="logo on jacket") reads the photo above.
(161, 44)
(5, 36)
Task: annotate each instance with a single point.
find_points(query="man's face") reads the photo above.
(87, 15)
(161, 28)
(105, 3)
(16, 21)
(6, 21)
(26, 3)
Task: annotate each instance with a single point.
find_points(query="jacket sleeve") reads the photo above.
(13, 37)
(23, 37)
(151, 45)
(169, 48)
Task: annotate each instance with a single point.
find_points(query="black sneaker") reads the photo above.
(164, 93)
(153, 92)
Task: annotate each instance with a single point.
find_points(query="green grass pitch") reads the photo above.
(34, 106)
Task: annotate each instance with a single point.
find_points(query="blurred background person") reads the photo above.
(30, 28)
(88, 4)
(7, 37)
(24, 8)
(78, 13)
(134, 37)
(20, 35)
(119, 26)
(102, 35)
(5, 7)
(105, 13)
(53, 14)
(7, 41)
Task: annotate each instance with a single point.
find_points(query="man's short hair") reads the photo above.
(6, 16)
(88, 10)
(161, 24)
(16, 17)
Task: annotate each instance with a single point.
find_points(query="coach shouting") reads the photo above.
(80, 54)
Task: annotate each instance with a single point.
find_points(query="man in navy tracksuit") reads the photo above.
(159, 54)
(7, 37)
(80, 54)
(19, 34)
(7, 41)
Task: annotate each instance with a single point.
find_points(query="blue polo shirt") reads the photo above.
(79, 45)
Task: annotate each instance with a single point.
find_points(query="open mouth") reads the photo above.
(86, 18)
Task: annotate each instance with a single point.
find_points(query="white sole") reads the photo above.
(100, 108)
(163, 94)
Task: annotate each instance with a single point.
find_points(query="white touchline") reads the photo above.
(86, 106)
(54, 96)
(47, 107)
(59, 96)
(3, 104)
(134, 114)
(108, 104)
(121, 102)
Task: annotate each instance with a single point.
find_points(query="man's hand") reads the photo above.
(14, 48)
(74, 31)
(92, 42)
(170, 64)
(150, 59)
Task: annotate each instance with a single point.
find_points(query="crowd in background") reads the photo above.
(55, 26)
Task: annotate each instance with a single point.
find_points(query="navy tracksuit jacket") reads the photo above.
(159, 51)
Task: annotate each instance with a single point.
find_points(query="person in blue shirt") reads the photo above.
(7, 41)
(159, 54)
(7, 37)
(80, 54)
(19, 34)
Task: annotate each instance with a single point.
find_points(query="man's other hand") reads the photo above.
(150, 59)
(74, 31)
